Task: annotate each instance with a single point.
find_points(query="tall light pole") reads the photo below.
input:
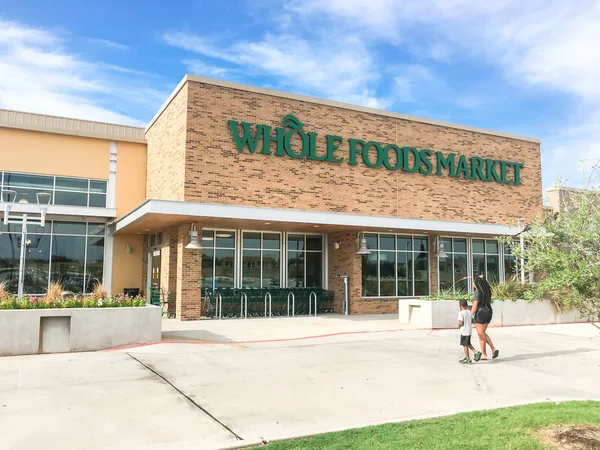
(522, 222)
(8, 201)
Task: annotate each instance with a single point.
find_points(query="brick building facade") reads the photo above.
(283, 190)
(219, 156)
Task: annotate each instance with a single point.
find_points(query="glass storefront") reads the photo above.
(398, 266)
(71, 253)
(63, 190)
(263, 259)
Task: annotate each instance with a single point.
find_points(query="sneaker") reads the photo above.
(465, 361)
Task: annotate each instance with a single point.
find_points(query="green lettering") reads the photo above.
(477, 164)
(386, 157)
(463, 168)
(265, 130)
(354, 150)
(426, 166)
(365, 154)
(333, 143)
(517, 169)
(287, 144)
(446, 163)
(504, 166)
(406, 163)
(247, 139)
(312, 148)
(490, 168)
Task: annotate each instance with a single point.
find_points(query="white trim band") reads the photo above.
(191, 209)
(62, 210)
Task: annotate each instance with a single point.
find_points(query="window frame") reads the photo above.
(261, 249)
(414, 253)
(88, 193)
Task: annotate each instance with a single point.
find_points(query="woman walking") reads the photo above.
(482, 313)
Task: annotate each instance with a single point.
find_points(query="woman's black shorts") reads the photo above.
(483, 316)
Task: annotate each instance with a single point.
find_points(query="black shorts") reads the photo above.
(483, 316)
(465, 341)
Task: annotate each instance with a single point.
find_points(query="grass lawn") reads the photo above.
(507, 428)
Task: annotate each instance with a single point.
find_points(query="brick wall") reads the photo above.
(189, 276)
(215, 172)
(165, 163)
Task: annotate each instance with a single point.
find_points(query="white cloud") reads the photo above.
(336, 67)
(39, 74)
(111, 44)
(545, 44)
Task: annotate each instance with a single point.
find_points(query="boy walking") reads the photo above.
(466, 328)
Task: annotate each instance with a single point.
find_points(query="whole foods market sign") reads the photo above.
(292, 141)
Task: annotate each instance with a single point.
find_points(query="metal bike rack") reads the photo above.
(291, 294)
(310, 297)
(268, 295)
(244, 305)
(219, 306)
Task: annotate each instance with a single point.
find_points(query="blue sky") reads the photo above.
(529, 68)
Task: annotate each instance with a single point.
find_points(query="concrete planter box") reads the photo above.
(31, 331)
(443, 313)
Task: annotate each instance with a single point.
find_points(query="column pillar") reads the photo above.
(345, 261)
(189, 276)
(168, 263)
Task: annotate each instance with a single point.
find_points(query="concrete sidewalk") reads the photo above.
(280, 328)
(210, 396)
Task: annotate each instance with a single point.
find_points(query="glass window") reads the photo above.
(251, 240)
(272, 241)
(70, 198)
(72, 184)
(96, 229)
(28, 181)
(98, 186)
(208, 238)
(224, 268)
(453, 268)
(218, 259)
(25, 195)
(251, 268)
(208, 259)
(295, 269)
(314, 242)
(271, 266)
(63, 190)
(67, 262)
(69, 227)
(94, 262)
(97, 200)
(261, 259)
(314, 269)
(305, 260)
(398, 266)
(387, 242)
(64, 260)
(511, 271)
(369, 275)
(295, 242)
(387, 269)
(10, 253)
(225, 239)
(486, 259)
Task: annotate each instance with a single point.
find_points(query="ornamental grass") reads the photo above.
(56, 297)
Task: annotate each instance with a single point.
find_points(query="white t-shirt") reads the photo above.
(464, 316)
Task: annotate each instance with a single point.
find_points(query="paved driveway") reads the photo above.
(217, 395)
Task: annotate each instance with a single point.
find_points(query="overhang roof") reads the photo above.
(156, 215)
(68, 126)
